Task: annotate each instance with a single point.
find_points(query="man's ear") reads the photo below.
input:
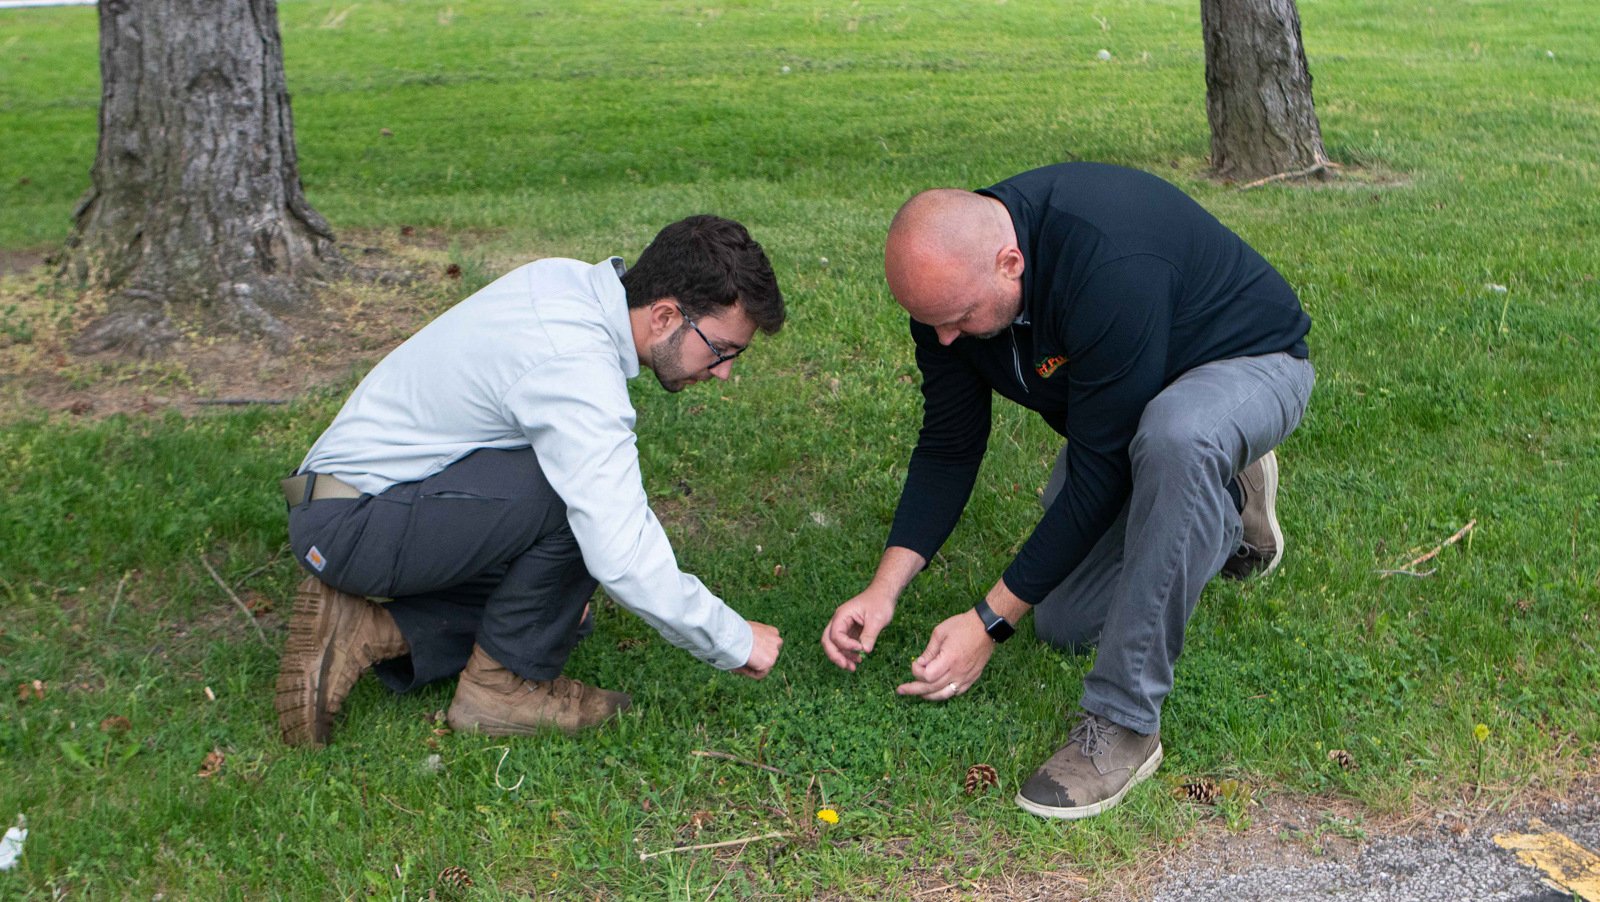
(664, 317)
(1010, 262)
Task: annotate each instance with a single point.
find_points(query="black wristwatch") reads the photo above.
(998, 628)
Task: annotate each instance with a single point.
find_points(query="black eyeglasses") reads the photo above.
(721, 357)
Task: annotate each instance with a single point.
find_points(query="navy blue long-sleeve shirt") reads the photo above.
(1127, 283)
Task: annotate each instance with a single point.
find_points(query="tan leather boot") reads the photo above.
(333, 638)
(492, 700)
(1261, 546)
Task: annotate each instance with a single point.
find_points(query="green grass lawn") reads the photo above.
(1453, 287)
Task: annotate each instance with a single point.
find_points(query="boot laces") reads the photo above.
(1094, 734)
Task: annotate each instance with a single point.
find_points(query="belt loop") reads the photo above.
(311, 485)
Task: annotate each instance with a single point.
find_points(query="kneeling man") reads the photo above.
(1171, 358)
(484, 477)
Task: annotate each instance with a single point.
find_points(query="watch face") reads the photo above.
(998, 628)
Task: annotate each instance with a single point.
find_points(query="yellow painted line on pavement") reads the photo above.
(1563, 862)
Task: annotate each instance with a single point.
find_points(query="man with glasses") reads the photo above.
(484, 478)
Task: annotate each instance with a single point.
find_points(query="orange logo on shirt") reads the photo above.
(1049, 365)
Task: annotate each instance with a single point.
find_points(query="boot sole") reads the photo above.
(1269, 472)
(1082, 811)
(301, 696)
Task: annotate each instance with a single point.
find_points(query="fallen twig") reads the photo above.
(646, 856)
(713, 894)
(247, 615)
(117, 597)
(1441, 546)
(705, 753)
(1318, 167)
(271, 562)
(398, 805)
(1422, 574)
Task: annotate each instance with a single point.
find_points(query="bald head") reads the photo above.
(946, 224)
(952, 262)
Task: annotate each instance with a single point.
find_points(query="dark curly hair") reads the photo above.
(707, 263)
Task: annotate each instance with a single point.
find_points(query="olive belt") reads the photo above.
(316, 487)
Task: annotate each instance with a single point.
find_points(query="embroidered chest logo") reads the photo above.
(1047, 367)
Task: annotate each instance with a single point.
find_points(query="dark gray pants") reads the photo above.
(479, 552)
(1133, 595)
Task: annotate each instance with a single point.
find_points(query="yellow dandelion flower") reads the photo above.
(828, 816)
(1481, 732)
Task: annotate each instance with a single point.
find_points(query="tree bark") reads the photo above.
(196, 208)
(1258, 91)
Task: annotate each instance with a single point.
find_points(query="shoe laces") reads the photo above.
(1094, 734)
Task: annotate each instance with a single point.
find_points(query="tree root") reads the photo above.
(135, 332)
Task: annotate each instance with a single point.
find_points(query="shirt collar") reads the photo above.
(607, 279)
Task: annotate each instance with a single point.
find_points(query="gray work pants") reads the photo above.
(479, 552)
(1134, 593)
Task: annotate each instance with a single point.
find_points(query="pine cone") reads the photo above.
(1201, 792)
(455, 877)
(980, 777)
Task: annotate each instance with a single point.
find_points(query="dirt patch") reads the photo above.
(22, 262)
(406, 280)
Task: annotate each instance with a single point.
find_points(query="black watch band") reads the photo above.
(998, 628)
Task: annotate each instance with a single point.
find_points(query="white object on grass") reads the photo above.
(1103, 55)
(11, 844)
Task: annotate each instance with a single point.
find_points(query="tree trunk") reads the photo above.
(1258, 91)
(196, 208)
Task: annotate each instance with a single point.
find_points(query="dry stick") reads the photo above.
(247, 615)
(117, 598)
(713, 894)
(704, 753)
(237, 402)
(1442, 545)
(646, 856)
(1319, 166)
(398, 805)
(1423, 574)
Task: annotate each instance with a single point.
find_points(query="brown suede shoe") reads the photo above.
(1092, 772)
(1261, 546)
(492, 700)
(333, 637)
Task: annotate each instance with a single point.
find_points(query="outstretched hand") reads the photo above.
(957, 652)
(854, 628)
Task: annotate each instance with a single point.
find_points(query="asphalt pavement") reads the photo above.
(1443, 859)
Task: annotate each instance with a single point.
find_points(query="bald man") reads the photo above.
(1172, 359)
